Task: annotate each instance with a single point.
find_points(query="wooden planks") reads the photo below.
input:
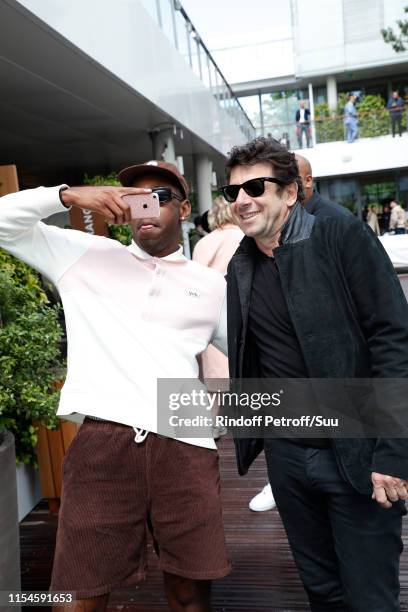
(264, 578)
(51, 448)
(8, 179)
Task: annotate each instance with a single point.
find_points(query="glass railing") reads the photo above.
(176, 25)
(332, 129)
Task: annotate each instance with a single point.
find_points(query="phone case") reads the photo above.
(143, 206)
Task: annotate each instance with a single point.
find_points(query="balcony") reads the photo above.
(331, 155)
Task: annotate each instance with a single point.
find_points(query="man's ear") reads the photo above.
(291, 192)
(185, 209)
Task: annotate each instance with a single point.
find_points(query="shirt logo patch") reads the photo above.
(193, 293)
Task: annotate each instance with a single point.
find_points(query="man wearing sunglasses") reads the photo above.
(317, 297)
(134, 314)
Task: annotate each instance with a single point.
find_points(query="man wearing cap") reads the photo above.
(134, 314)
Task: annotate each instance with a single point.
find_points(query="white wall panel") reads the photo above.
(333, 36)
(319, 40)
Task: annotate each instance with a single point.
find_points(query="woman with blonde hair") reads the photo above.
(216, 249)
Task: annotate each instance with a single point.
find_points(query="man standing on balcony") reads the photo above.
(395, 107)
(351, 119)
(304, 303)
(134, 314)
(303, 124)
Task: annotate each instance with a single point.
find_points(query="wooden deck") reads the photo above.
(263, 579)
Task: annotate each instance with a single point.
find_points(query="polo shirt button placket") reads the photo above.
(158, 273)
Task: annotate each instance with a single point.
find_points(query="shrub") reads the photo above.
(374, 119)
(329, 125)
(29, 355)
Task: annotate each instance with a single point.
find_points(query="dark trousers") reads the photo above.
(396, 121)
(346, 547)
(303, 128)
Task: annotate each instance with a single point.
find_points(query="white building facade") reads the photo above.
(338, 48)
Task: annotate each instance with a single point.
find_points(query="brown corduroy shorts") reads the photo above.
(113, 487)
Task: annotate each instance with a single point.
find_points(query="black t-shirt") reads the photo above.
(279, 352)
(270, 325)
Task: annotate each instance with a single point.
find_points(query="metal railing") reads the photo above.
(177, 26)
(332, 129)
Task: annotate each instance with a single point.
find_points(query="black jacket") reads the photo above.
(307, 115)
(350, 316)
(318, 206)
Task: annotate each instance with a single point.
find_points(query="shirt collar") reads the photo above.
(177, 256)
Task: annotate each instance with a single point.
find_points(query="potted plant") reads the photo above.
(9, 535)
(30, 336)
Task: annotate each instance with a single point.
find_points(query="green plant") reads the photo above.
(329, 126)
(122, 233)
(374, 119)
(29, 355)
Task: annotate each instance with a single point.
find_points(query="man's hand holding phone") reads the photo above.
(107, 201)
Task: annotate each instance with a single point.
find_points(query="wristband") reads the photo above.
(64, 188)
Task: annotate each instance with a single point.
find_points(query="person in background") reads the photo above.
(284, 140)
(216, 248)
(215, 251)
(351, 119)
(204, 222)
(372, 219)
(395, 106)
(197, 233)
(313, 202)
(384, 219)
(406, 105)
(397, 220)
(302, 118)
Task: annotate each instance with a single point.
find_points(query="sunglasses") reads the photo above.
(166, 194)
(254, 188)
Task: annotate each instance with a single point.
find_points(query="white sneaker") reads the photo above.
(263, 501)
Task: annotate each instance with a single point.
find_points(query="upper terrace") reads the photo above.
(363, 155)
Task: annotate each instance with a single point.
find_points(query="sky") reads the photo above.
(240, 39)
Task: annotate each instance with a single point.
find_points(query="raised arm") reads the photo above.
(52, 250)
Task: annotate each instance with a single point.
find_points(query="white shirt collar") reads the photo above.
(141, 254)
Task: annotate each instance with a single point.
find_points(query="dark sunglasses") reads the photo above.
(166, 194)
(254, 188)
